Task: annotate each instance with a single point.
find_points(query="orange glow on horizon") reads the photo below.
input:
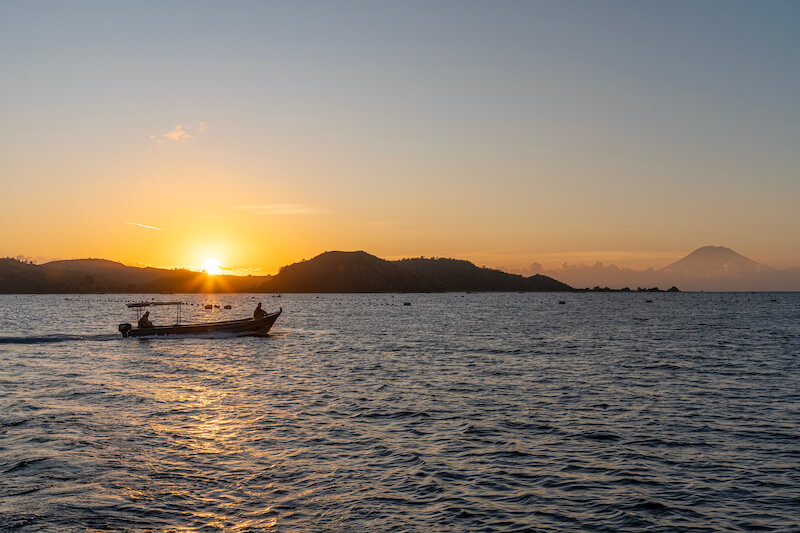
(211, 265)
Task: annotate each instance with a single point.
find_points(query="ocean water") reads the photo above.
(459, 412)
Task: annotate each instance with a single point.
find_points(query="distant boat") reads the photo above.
(254, 327)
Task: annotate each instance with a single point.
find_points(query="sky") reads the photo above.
(506, 133)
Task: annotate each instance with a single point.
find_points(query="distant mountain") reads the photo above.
(100, 275)
(328, 272)
(713, 261)
(362, 272)
(710, 268)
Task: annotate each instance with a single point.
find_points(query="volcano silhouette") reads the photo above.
(713, 261)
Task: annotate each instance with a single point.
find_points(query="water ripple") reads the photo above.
(485, 412)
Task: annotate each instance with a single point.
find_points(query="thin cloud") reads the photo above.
(178, 134)
(279, 209)
(144, 226)
(182, 132)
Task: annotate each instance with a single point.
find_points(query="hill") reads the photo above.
(329, 272)
(100, 275)
(361, 272)
(26, 278)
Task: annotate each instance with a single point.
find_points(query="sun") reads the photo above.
(211, 265)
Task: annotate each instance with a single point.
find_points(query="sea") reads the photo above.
(504, 412)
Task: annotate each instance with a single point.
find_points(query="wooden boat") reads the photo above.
(257, 327)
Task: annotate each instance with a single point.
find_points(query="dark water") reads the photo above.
(460, 412)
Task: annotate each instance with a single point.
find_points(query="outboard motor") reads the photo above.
(124, 329)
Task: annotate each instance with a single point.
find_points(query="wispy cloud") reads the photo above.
(182, 132)
(144, 226)
(279, 209)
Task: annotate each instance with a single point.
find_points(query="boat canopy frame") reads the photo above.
(139, 305)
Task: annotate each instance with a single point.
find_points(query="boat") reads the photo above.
(255, 327)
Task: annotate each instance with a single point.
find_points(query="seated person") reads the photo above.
(259, 313)
(144, 322)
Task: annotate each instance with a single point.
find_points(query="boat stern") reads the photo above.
(125, 329)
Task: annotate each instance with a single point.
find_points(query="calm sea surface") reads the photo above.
(460, 412)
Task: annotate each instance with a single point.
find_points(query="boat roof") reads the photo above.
(148, 304)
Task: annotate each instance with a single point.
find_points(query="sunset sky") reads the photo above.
(505, 133)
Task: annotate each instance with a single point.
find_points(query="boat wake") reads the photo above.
(57, 337)
(48, 339)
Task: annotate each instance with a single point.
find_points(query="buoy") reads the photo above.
(406, 303)
(209, 306)
(561, 302)
(227, 307)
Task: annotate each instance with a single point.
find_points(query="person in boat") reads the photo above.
(259, 313)
(144, 322)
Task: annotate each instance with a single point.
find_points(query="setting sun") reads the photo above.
(211, 265)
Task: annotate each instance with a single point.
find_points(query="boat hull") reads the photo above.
(250, 327)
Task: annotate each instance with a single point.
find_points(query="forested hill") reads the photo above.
(100, 275)
(362, 272)
(327, 273)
